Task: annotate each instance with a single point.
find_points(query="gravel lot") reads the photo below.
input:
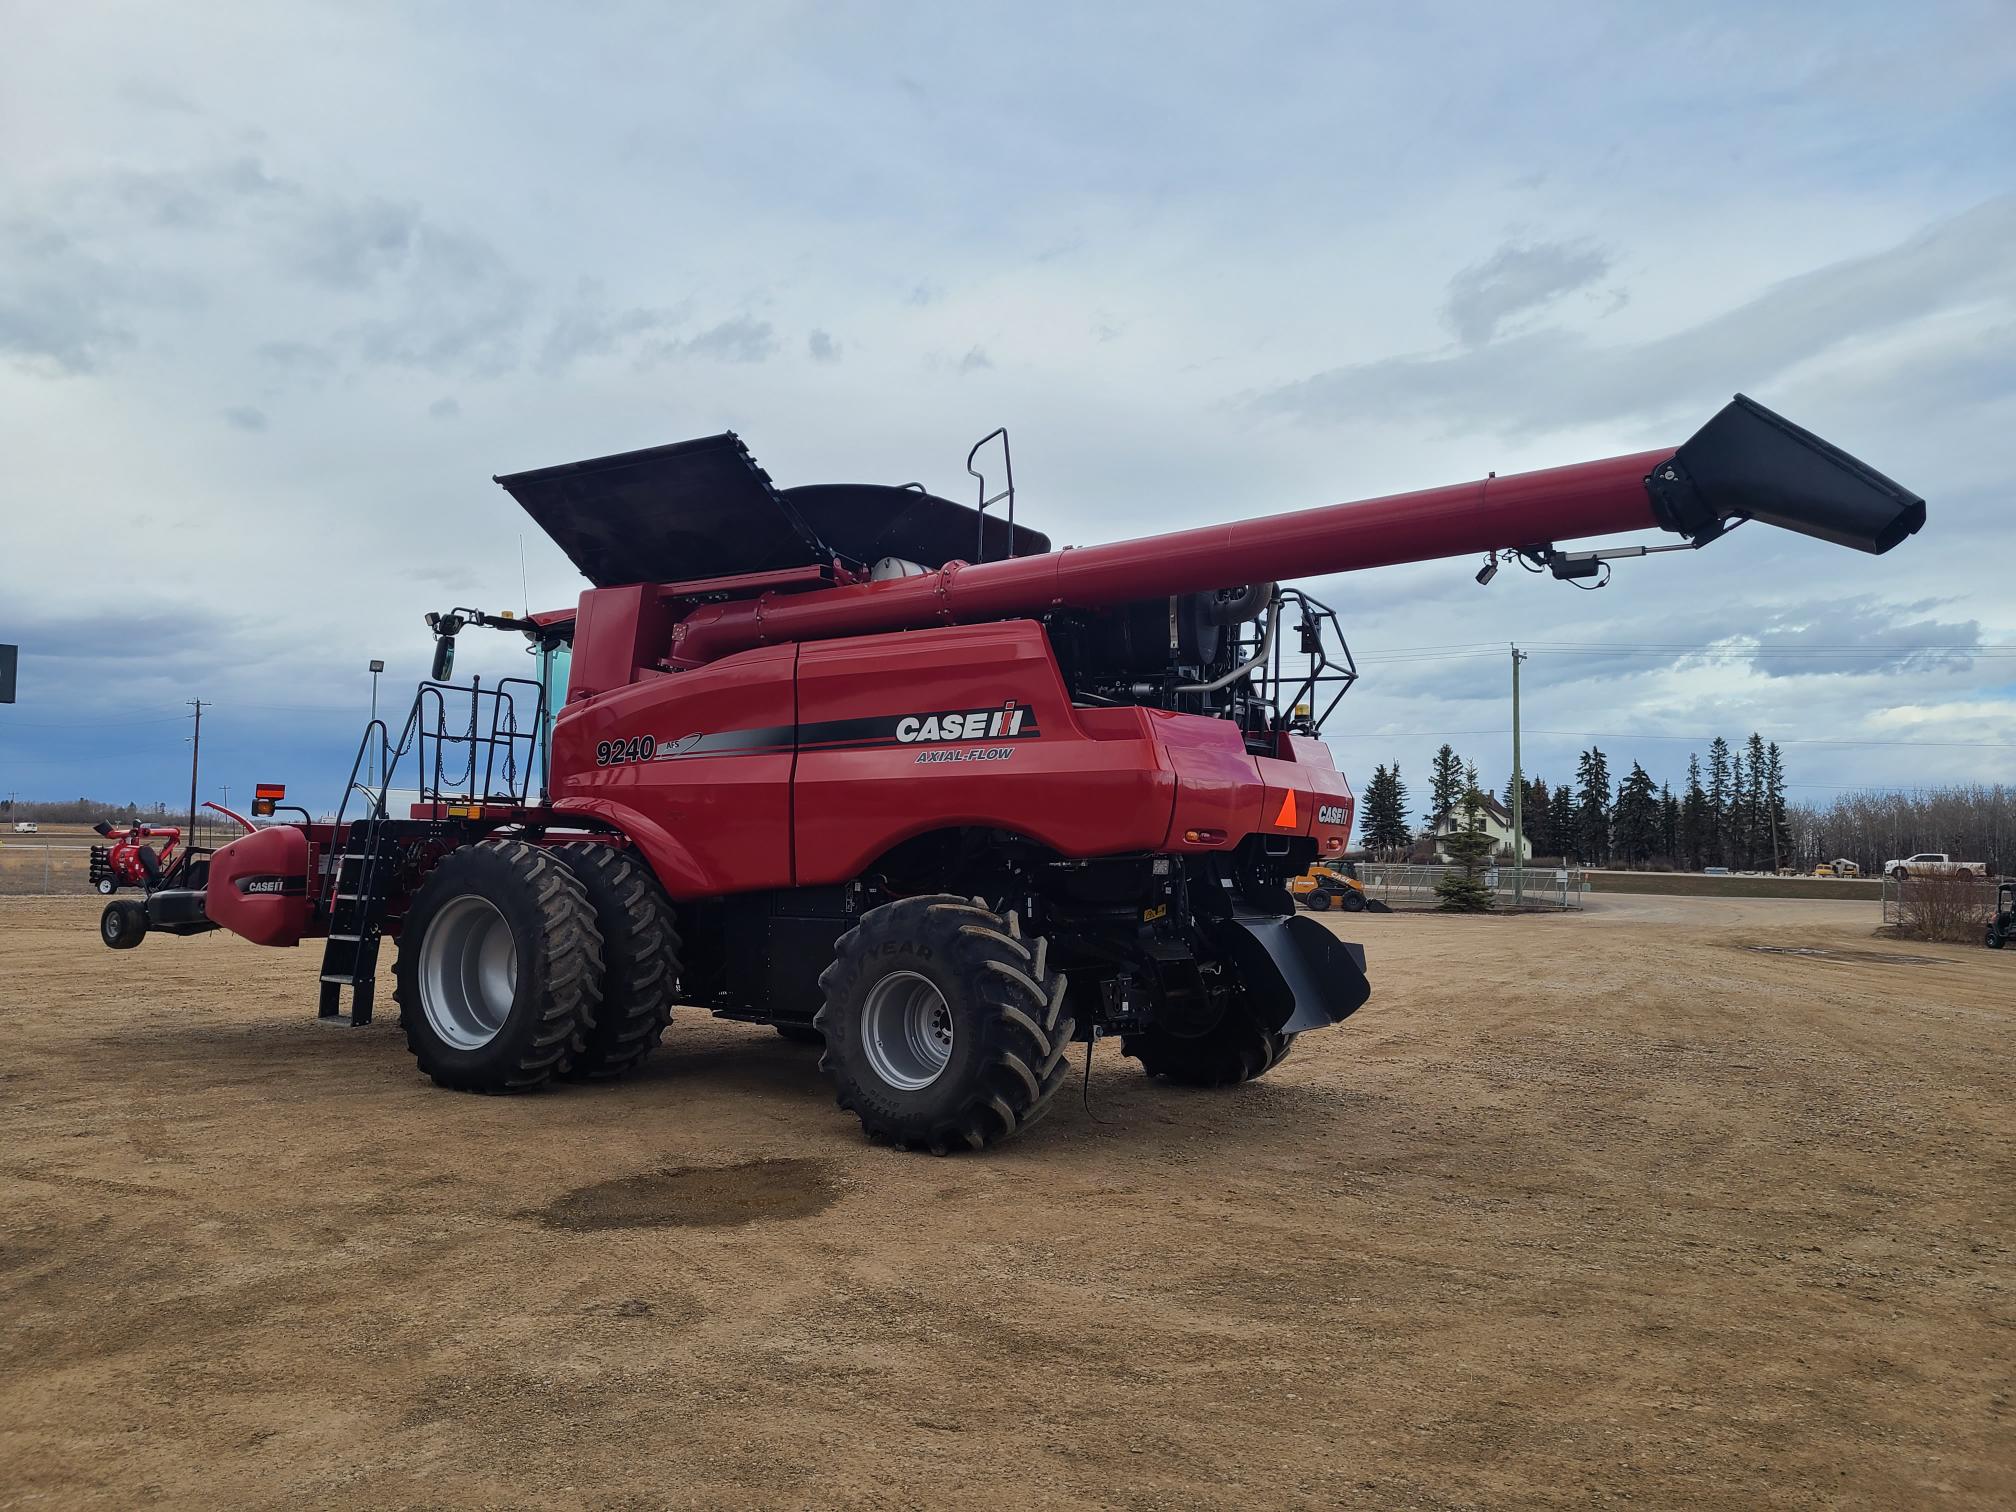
(1645, 1204)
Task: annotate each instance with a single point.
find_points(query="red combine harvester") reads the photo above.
(815, 767)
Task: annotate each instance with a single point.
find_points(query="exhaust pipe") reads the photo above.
(1748, 463)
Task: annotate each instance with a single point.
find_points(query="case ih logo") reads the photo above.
(1330, 813)
(1012, 721)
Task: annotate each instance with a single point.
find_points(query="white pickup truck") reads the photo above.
(1933, 864)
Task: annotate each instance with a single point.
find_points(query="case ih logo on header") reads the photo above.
(1330, 813)
(1012, 721)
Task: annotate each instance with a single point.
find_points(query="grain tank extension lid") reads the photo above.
(704, 509)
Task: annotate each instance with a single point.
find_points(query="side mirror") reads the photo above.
(444, 657)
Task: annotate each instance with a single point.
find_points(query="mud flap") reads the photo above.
(1299, 973)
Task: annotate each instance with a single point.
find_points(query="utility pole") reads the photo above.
(195, 751)
(1518, 793)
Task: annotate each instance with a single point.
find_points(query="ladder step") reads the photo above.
(345, 978)
(345, 937)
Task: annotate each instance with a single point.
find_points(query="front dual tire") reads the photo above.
(519, 964)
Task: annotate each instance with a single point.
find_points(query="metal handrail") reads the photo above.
(1008, 493)
(505, 777)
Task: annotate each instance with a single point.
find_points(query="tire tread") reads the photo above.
(1003, 973)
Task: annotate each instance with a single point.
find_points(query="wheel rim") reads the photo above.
(111, 927)
(906, 1030)
(468, 973)
(104, 887)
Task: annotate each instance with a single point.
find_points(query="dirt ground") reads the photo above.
(1639, 1206)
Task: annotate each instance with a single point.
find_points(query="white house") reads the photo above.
(1492, 819)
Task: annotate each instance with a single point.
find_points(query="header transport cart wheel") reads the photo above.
(499, 975)
(945, 1026)
(123, 924)
(107, 887)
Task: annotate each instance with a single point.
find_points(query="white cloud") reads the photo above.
(1515, 280)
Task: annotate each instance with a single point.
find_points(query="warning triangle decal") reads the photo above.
(1286, 818)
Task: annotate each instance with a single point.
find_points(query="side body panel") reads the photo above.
(876, 765)
(798, 766)
(1333, 809)
(694, 767)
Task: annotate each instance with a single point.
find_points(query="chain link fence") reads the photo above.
(56, 861)
(44, 869)
(1403, 885)
(1972, 899)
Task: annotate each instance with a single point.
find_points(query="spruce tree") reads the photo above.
(1715, 837)
(1539, 820)
(1774, 802)
(1561, 819)
(1386, 812)
(1669, 825)
(1693, 819)
(1469, 846)
(1757, 805)
(1635, 821)
(1592, 808)
(1445, 784)
(1736, 824)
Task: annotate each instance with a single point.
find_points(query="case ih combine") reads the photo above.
(887, 772)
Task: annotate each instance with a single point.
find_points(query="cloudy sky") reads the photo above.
(282, 286)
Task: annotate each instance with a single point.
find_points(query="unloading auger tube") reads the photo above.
(1745, 464)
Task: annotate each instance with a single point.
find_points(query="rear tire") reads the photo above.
(944, 1026)
(1995, 938)
(1238, 1048)
(123, 924)
(1317, 901)
(640, 959)
(500, 968)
